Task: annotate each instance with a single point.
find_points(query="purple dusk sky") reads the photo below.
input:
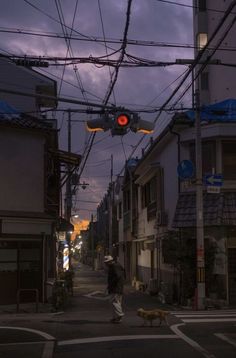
(167, 22)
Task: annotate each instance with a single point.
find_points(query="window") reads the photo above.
(204, 81)
(229, 160)
(119, 211)
(208, 156)
(201, 40)
(126, 203)
(149, 198)
(149, 192)
(199, 5)
(202, 5)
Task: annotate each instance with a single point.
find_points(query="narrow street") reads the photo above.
(84, 327)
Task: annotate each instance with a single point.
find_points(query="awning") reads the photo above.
(64, 225)
(218, 210)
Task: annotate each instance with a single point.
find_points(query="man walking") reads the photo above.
(115, 286)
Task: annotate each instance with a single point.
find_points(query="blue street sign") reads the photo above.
(213, 180)
(185, 169)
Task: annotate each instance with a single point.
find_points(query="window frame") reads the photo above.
(207, 167)
(229, 175)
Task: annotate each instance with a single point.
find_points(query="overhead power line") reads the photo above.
(191, 68)
(190, 6)
(145, 43)
(113, 81)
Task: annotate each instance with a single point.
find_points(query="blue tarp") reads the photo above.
(7, 111)
(224, 111)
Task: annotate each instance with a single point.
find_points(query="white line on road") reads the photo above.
(94, 294)
(188, 340)
(21, 343)
(205, 320)
(207, 312)
(48, 344)
(227, 339)
(40, 333)
(116, 338)
(48, 350)
(204, 315)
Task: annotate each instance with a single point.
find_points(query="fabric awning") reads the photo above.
(64, 225)
(218, 209)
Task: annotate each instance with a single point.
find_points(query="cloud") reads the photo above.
(150, 20)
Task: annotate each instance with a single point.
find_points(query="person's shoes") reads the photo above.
(116, 320)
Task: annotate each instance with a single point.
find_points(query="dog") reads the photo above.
(151, 315)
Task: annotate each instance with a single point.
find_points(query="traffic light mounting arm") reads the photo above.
(120, 122)
(141, 125)
(99, 124)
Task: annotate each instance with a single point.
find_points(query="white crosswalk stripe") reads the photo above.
(205, 316)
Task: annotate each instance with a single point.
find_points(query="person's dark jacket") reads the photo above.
(116, 278)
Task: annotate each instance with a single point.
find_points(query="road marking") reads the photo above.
(227, 339)
(48, 350)
(48, 344)
(210, 312)
(205, 315)
(40, 333)
(21, 343)
(188, 340)
(116, 338)
(93, 295)
(205, 320)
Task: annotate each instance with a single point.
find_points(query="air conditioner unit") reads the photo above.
(161, 218)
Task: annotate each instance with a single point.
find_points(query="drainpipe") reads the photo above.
(178, 151)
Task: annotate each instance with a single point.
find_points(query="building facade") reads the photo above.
(30, 185)
(211, 18)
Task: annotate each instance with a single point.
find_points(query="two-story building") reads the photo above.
(157, 209)
(29, 206)
(29, 184)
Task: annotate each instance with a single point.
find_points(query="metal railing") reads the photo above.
(35, 290)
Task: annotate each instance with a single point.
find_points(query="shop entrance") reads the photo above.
(20, 267)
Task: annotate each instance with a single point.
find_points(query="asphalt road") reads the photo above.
(84, 328)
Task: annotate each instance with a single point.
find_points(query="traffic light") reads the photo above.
(120, 122)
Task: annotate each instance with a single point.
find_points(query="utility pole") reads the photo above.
(92, 242)
(110, 209)
(200, 249)
(68, 189)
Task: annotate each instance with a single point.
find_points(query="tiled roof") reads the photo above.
(218, 209)
(24, 121)
(10, 116)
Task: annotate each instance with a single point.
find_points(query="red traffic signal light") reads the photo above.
(122, 120)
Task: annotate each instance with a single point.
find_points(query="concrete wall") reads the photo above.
(22, 163)
(21, 79)
(222, 83)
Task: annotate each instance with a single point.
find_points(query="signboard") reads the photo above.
(185, 169)
(213, 180)
(213, 189)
